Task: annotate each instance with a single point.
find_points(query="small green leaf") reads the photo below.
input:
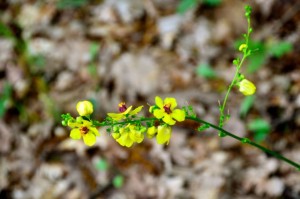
(212, 2)
(203, 127)
(102, 165)
(280, 48)
(94, 50)
(256, 61)
(246, 105)
(92, 69)
(185, 5)
(65, 4)
(5, 98)
(5, 31)
(206, 71)
(118, 181)
(261, 129)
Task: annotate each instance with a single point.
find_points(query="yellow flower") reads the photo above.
(124, 138)
(166, 111)
(84, 108)
(137, 133)
(124, 111)
(163, 134)
(83, 128)
(128, 135)
(246, 87)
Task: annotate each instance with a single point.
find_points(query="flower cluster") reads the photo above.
(82, 127)
(125, 126)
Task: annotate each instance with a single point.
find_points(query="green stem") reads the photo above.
(245, 55)
(246, 140)
(228, 91)
(241, 139)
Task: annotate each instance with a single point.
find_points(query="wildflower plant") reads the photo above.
(128, 128)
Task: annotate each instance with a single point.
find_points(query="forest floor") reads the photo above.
(54, 53)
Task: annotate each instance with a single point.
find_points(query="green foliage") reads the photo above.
(261, 51)
(94, 50)
(212, 2)
(65, 4)
(102, 165)
(280, 48)
(118, 181)
(203, 127)
(5, 31)
(246, 105)
(205, 70)
(185, 5)
(5, 98)
(261, 129)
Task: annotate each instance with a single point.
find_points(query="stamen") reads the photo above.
(122, 107)
(84, 130)
(167, 108)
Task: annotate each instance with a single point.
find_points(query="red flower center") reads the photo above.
(122, 107)
(84, 130)
(167, 108)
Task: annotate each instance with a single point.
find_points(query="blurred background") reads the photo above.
(54, 53)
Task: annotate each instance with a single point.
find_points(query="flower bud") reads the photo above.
(242, 47)
(84, 108)
(246, 87)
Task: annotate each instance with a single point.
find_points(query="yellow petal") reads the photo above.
(136, 111)
(168, 119)
(136, 136)
(178, 115)
(116, 135)
(127, 110)
(151, 131)
(163, 135)
(247, 87)
(116, 116)
(158, 113)
(89, 139)
(171, 101)
(73, 124)
(159, 102)
(125, 140)
(75, 134)
(94, 130)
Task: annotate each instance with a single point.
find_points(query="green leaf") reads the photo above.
(206, 71)
(261, 129)
(256, 61)
(203, 127)
(92, 68)
(280, 48)
(5, 31)
(185, 5)
(212, 2)
(102, 165)
(118, 181)
(65, 4)
(5, 97)
(94, 50)
(246, 105)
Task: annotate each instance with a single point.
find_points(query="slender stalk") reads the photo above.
(196, 119)
(247, 141)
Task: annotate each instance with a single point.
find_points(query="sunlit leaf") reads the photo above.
(261, 128)
(206, 71)
(246, 105)
(280, 48)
